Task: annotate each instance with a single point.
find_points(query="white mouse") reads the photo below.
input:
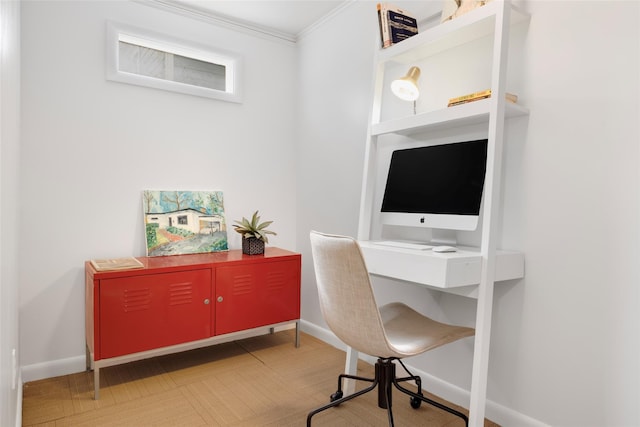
(444, 249)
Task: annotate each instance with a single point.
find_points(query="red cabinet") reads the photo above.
(155, 310)
(256, 295)
(181, 302)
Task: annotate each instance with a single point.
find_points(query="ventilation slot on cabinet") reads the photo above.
(181, 293)
(242, 284)
(136, 299)
(275, 280)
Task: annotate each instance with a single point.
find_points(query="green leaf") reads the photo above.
(253, 228)
(264, 225)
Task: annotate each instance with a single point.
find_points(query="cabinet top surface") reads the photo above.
(205, 260)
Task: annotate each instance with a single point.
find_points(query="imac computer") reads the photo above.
(437, 186)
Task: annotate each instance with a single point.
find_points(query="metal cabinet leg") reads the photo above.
(96, 383)
(87, 357)
(297, 333)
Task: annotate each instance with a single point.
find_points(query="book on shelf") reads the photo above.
(401, 25)
(475, 96)
(382, 23)
(395, 24)
(116, 264)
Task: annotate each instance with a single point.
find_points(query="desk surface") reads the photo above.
(456, 272)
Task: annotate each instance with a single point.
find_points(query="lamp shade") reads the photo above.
(406, 88)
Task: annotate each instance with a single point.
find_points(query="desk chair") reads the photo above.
(389, 333)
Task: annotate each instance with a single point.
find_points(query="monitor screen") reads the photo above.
(438, 186)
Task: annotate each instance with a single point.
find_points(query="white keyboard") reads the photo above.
(403, 245)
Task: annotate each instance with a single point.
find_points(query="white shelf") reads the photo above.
(468, 271)
(471, 113)
(451, 272)
(464, 29)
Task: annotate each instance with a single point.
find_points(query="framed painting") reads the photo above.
(184, 222)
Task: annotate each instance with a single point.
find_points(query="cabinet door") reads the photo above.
(253, 295)
(140, 313)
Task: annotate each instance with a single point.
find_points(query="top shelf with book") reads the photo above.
(471, 26)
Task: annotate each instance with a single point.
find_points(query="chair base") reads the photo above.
(385, 377)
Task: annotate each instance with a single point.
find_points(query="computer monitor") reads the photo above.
(436, 186)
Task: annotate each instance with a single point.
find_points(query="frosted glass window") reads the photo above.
(146, 59)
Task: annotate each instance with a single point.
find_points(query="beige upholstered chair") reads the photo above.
(389, 333)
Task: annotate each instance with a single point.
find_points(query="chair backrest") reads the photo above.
(346, 297)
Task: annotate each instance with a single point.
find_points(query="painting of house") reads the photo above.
(184, 222)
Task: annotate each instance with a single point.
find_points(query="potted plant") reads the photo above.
(254, 234)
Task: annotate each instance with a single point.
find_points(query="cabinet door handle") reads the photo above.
(220, 299)
(206, 301)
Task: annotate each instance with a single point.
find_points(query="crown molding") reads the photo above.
(220, 20)
(241, 25)
(329, 16)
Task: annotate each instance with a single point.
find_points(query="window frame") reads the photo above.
(232, 62)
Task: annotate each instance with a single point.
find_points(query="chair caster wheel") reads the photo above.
(415, 402)
(336, 396)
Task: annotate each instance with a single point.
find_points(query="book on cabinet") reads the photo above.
(108, 264)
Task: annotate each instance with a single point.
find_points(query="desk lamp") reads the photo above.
(406, 88)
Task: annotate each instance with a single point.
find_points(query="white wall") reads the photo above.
(565, 345)
(9, 190)
(334, 65)
(565, 342)
(90, 146)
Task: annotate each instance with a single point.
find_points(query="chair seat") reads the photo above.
(410, 333)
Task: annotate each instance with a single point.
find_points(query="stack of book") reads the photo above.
(477, 96)
(395, 24)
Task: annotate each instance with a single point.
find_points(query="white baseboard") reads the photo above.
(19, 401)
(454, 394)
(322, 334)
(54, 368)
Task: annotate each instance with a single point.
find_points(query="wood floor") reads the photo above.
(261, 381)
